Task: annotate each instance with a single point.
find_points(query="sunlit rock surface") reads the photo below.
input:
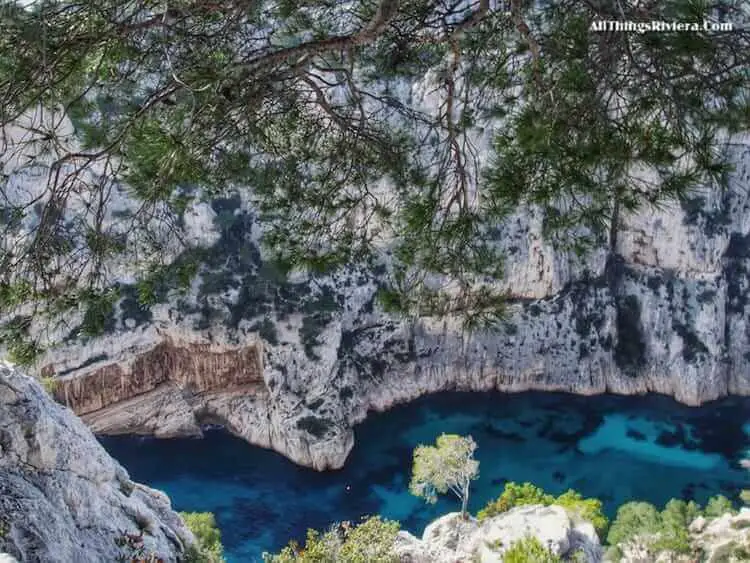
(62, 498)
(450, 538)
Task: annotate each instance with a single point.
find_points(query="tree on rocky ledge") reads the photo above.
(316, 106)
(449, 465)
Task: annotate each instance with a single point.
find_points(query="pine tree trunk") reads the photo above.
(465, 502)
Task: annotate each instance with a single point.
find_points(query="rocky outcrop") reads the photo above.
(725, 539)
(168, 376)
(199, 367)
(662, 306)
(450, 538)
(62, 498)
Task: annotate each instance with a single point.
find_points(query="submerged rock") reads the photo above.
(62, 498)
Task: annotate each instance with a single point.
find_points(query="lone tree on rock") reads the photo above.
(449, 465)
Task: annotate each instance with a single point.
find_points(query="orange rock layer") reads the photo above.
(195, 367)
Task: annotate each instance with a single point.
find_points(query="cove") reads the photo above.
(615, 448)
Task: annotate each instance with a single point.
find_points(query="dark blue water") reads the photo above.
(614, 448)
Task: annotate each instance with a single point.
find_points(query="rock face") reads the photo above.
(62, 498)
(725, 539)
(294, 363)
(450, 538)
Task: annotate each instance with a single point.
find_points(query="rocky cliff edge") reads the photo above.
(62, 498)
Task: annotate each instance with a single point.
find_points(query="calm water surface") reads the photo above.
(614, 448)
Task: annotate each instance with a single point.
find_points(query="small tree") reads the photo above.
(449, 465)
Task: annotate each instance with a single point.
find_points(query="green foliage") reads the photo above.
(658, 531)
(21, 348)
(745, 496)
(513, 495)
(449, 465)
(589, 509)
(563, 134)
(208, 548)
(632, 519)
(177, 276)
(528, 550)
(718, 506)
(370, 542)
(99, 314)
(675, 519)
(15, 294)
(310, 121)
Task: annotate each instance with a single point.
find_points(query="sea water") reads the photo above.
(615, 448)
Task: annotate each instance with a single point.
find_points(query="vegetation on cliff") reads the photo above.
(637, 525)
(588, 509)
(208, 547)
(370, 541)
(311, 105)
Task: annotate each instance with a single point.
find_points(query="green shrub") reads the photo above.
(370, 542)
(529, 550)
(517, 495)
(659, 531)
(745, 496)
(586, 508)
(99, 316)
(208, 548)
(632, 519)
(718, 506)
(318, 548)
(675, 519)
(23, 352)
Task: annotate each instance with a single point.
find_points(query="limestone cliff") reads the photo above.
(451, 539)
(62, 498)
(294, 363)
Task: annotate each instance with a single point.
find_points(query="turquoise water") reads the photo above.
(614, 448)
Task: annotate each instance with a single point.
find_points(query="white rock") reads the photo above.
(697, 525)
(62, 498)
(451, 539)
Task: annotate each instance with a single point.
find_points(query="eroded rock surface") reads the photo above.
(450, 538)
(62, 498)
(294, 363)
